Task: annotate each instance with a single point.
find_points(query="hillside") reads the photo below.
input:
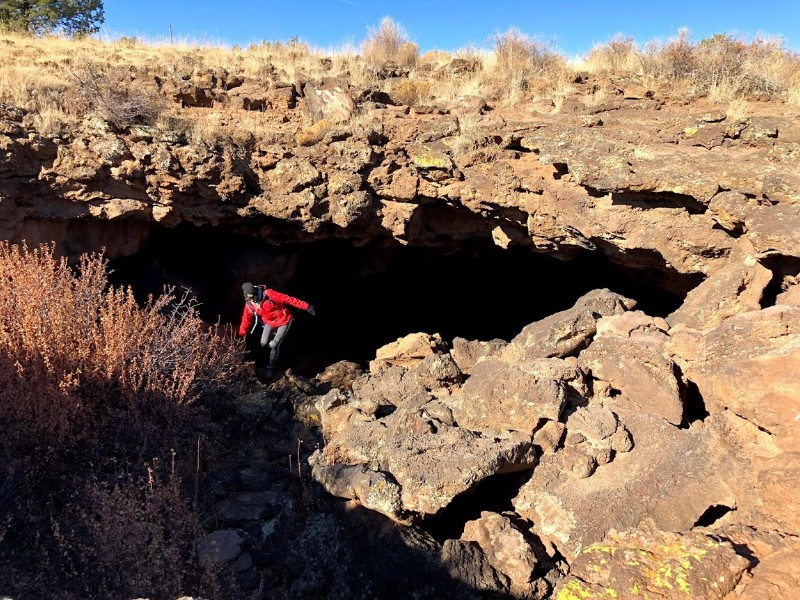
(559, 314)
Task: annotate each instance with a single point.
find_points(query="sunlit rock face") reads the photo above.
(568, 335)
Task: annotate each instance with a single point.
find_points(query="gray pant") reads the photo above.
(277, 334)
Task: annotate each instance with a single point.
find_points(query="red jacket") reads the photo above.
(272, 310)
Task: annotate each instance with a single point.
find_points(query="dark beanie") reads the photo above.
(248, 289)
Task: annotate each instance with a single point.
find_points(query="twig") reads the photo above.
(299, 472)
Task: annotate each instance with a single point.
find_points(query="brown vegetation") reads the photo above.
(95, 392)
(60, 81)
(389, 43)
(722, 67)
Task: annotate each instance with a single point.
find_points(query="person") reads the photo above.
(270, 309)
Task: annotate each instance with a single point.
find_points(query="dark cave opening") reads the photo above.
(785, 269)
(368, 296)
(493, 494)
(695, 406)
(712, 514)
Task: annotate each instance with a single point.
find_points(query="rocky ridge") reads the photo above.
(659, 455)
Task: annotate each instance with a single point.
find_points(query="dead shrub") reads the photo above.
(723, 67)
(130, 536)
(389, 44)
(116, 96)
(410, 91)
(91, 384)
(434, 59)
(676, 58)
(524, 65)
(308, 136)
(618, 56)
(407, 55)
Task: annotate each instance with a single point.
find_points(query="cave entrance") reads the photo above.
(493, 494)
(371, 295)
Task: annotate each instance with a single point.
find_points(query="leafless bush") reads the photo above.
(524, 64)
(92, 384)
(73, 349)
(132, 536)
(618, 56)
(389, 43)
(117, 97)
(674, 59)
(722, 66)
(410, 91)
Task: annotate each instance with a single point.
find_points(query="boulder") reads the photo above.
(749, 365)
(668, 479)
(736, 286)
(502, 396)
(640, 369)
(431, 461)
(654, 564)
(567, 331)
(467, 563)
(506, 548)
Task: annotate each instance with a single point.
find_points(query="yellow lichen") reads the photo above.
(430, 159)
(574, 590)
(578, 590)
(612, 550)
(613, 162)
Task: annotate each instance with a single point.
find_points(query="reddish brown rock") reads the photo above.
(654, 564)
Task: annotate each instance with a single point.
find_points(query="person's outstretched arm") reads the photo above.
(247, 320)
(290, 300)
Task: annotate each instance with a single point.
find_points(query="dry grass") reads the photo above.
(618, 56)
(434, 59)
(738, 110)
(523, 66)
(60, 80)
(473, 142)
(93, 386)
(410, 92)
(793, 94)
(308, 136)
(722, 67)
(389, 43)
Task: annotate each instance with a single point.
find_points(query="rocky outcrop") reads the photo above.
(666, 447)
(655, 565)
(610, 436)
(650, 186)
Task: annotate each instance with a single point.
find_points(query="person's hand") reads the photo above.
(310, 310)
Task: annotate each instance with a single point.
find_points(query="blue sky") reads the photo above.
(571, 27)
